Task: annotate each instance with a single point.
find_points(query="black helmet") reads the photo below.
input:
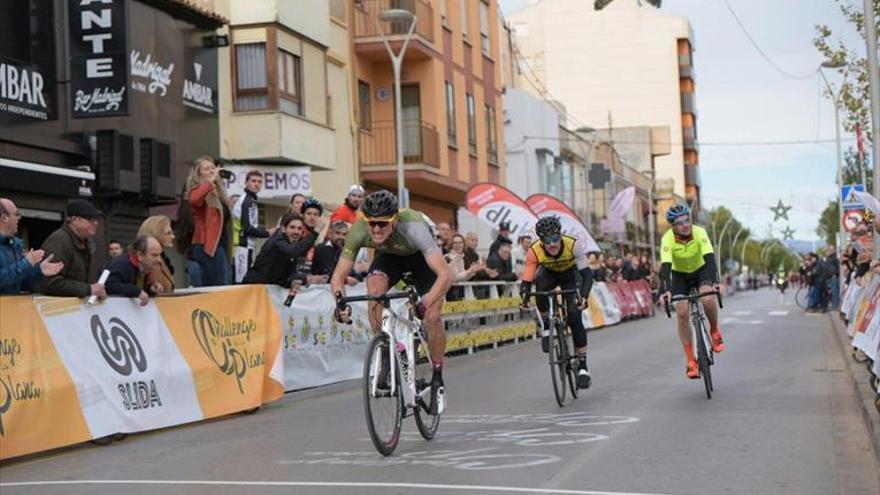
(380, 204)
(311, 203)
(548, 226)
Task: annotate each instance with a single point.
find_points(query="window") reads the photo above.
(463, 5)
(450, 113)
(251, 89)
(484, 27)
(289, 87)
(490, 135)
(364, 114)
(444, 15)
(472, 125)
(337, 9)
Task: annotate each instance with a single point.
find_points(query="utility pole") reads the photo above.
(874, 80)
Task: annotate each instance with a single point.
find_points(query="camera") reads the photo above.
(225, 174)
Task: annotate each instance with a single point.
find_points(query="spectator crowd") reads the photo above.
(218, 235)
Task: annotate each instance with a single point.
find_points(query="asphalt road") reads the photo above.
(782, 421)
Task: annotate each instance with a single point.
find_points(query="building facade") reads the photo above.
(628, 65)
(105, 101)
(287, 99)
(450, 97)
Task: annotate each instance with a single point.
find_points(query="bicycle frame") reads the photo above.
(410, 331)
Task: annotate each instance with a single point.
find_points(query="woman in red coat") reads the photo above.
(210, 206)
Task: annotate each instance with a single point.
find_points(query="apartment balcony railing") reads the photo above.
(688, 103)
(421, 144)
(690, 138)
(367, 11)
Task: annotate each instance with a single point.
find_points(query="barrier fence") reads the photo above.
(859, 305)
(71, 372)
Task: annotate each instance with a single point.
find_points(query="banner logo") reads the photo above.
(226, 344)
(119, 346)
(11, 390)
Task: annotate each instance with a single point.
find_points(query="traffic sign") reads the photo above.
(851, 218)
(849, 198)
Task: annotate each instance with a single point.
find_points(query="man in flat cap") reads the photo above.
(73, 245)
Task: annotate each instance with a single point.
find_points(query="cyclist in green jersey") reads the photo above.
(404, 244)
(687, 261)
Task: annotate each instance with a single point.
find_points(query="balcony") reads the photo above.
(688, 103)
(691, 174)
(277, 136)
(421, 144)
(421, 157)
(690, 138)
(368, 38)
(685, 66)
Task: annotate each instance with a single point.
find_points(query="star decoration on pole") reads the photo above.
(780, 211)
(788, 233)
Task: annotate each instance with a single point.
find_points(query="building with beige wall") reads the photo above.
(287, 97)
(625, 66)
(451, 99)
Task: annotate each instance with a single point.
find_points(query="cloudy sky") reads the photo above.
(741, 98)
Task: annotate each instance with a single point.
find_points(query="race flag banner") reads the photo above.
(543, 205)
(620, 207)
(495, 204)
(71, 372)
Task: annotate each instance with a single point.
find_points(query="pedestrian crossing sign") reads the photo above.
(849, 199)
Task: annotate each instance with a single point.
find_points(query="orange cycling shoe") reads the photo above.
(717, 342)
(693, 371)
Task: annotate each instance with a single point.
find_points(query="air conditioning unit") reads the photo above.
(117, 163)
(157, 181)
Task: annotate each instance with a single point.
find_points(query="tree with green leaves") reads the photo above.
(829, 223)
(855, 90)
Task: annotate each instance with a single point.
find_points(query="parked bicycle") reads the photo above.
(397, 384)
(700, 335)
(563, 362)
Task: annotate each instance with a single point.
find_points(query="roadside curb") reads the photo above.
(861, 383)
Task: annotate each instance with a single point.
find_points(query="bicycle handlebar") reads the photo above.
(693, 297)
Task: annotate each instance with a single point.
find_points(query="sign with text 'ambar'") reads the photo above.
(98, 58)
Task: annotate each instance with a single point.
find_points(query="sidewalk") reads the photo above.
(860, 378)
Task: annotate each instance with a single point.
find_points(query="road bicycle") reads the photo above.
(396, 384)
(563, 362)
(700, 333)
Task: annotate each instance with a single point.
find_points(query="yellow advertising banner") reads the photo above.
(597, 314)
(39, 405)
(231, 340)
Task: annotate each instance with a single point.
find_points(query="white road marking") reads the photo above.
(321, 484)
(742, 313)
(737, 321)
(779, 313)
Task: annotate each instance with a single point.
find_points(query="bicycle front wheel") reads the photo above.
(426, 422)
(383, 404)
(570, 365)
(703, 359)
(558, 363)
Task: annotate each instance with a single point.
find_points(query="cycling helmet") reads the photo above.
(676, 211)
(548, 226)
(311, 203)
(380, 204)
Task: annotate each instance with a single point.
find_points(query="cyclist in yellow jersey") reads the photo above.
(687, 261)
(558, 260)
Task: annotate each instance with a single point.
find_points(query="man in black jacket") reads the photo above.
(503, 236)
(128, 271)
(277, 261)
(73, 245)
(327, 254)
(500, 262)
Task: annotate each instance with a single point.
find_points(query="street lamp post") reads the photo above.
(398, 15)
(653, 216)
(742, 255)
(836, 100)
(733, 244)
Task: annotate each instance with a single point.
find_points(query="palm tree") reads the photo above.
(601, 4)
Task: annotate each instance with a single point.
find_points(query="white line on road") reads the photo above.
(778, 313)
(325, 484)
(742, 313)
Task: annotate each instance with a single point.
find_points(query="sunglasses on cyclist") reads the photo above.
(682, 221)
(379, 222)
(550, 239)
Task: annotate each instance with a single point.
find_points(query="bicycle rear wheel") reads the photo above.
(426, 422)
(703, 359)
(558, 360)
(801, 297)
(570, 366)
(383, 408)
